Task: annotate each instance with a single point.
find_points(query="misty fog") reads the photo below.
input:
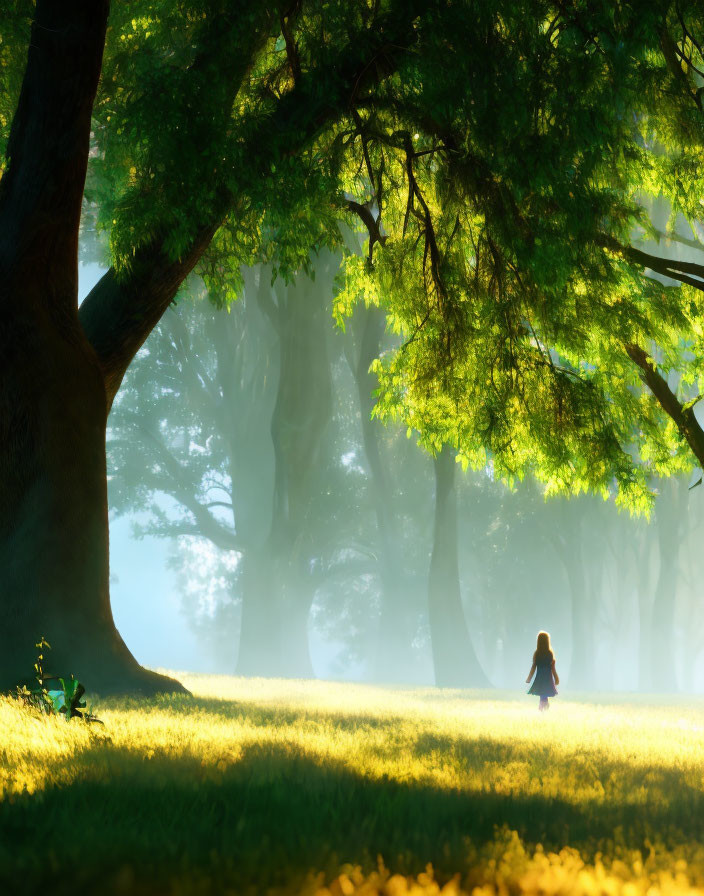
(262, 523)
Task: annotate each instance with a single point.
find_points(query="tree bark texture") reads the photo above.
(455, 662)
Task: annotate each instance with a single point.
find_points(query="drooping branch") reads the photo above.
(431, 245)
(685, 271)
(681, 414)
(401, 141)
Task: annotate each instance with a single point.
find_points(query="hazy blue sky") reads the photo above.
(145, 599)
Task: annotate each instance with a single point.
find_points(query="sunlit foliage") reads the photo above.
(499, 155)
(499, 164)
(504, 192)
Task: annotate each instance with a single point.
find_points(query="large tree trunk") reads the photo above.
(53, 489)
(54, 520)
(456, 663)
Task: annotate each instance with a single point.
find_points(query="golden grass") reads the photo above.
(299, 787)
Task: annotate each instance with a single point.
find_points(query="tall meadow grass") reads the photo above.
(270, 786)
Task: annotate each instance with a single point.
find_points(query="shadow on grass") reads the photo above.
(131, 824)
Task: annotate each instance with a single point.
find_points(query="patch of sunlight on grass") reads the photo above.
(273, 785)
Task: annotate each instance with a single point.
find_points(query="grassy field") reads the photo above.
(268, 786)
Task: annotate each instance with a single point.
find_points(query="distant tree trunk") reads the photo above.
(582, 666)
(397, 627)
(259, 645)
(294, 642)
(626, 562)
(278, 592)
(454, 659)
(274, 628)
(569, 543)
(669, 514)
(53, 406)
(645, 613)
(692, 641)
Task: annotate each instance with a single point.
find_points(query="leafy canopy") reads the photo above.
(499, 154)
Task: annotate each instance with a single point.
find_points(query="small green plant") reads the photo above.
(54, 695)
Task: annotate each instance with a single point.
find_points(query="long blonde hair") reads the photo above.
(543, 647)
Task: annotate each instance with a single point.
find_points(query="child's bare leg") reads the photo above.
(543, 704)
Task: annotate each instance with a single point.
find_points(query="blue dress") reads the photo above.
(543, 683)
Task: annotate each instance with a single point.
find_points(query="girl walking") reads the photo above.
(546, 676)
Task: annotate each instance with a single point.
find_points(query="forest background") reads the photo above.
(575, 565)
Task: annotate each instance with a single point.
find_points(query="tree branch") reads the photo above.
(670, 52)
(117, 316)
(685, 271)
(677, 238)
(182, 527)
(294, 59)
(372, 224)
(208, 526)
(681, 414)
